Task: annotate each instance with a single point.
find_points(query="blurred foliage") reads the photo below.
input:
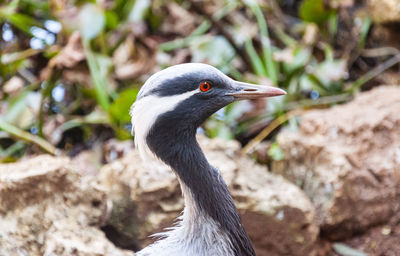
(315, 11)
(70, 70)
(275, 152)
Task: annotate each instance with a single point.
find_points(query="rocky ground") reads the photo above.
(347, 160)
(46, 208)
(339, 181)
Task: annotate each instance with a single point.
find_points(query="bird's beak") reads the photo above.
(253, 91)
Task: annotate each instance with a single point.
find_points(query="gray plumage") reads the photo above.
(169, 108)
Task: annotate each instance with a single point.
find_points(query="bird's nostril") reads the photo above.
(249, 90)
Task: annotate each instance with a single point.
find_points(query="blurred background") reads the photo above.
(70, 70)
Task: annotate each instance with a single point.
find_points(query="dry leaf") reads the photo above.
(141, 64)
(79, 75)
(286, 55)
(335, 4)
(69, 56)
(311, 34)
(124, 51)
(13, 86)
(179, 20)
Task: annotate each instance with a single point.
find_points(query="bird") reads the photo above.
(168, 110)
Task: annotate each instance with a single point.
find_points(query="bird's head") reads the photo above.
(181, 97)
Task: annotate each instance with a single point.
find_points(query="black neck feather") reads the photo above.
(178, 148)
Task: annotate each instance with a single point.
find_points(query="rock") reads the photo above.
(384, 11)
(114, 149)
(379, 240)
(277, 215)
(87, 162)
(347, 160)
(48, 209)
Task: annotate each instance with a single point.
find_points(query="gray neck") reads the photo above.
(204, 189)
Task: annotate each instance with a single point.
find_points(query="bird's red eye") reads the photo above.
(205, 86)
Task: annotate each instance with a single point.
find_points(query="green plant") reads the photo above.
(26, 20)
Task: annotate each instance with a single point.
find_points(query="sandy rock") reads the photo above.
(384, 11)
(277, 215)
(347, 160)
(87, 162)
(48, 209)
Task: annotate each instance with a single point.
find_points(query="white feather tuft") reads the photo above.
(195, 234)
(144, 113)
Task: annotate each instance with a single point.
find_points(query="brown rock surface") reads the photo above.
(277, 215)
(347, 160)
(379, 240)
(48, 209)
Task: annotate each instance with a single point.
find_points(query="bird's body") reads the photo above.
(168, 110)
